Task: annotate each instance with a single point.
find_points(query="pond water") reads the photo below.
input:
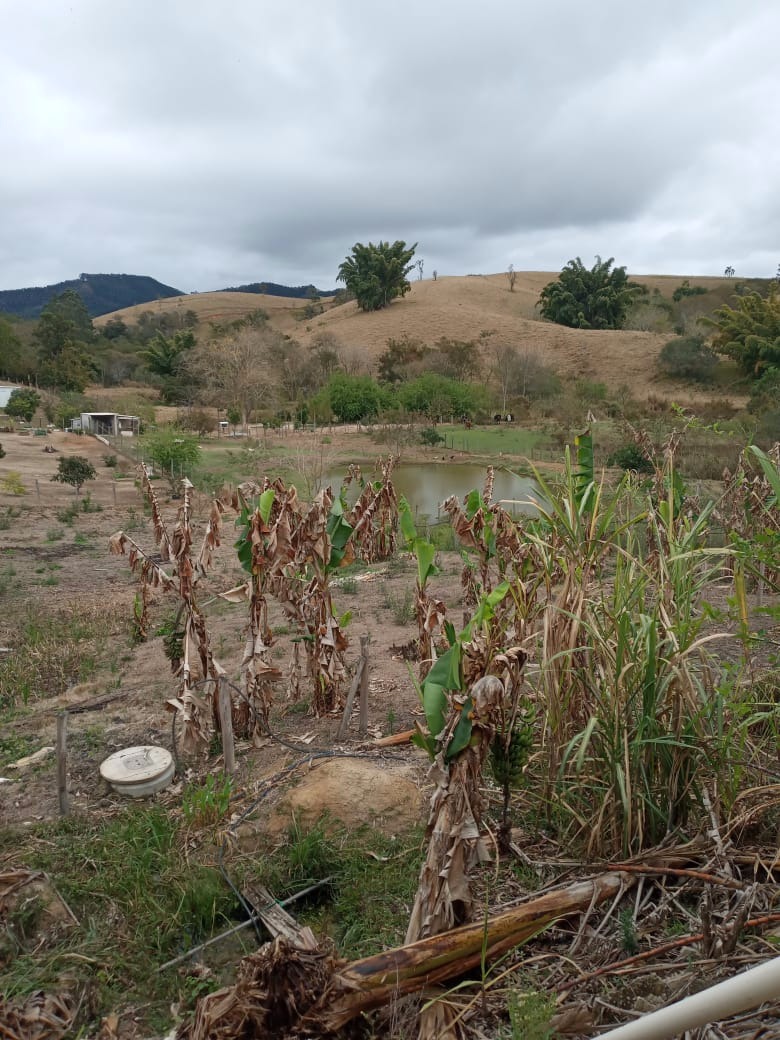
(425, 485)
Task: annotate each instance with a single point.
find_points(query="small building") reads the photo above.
(107, 424)
(5, 393)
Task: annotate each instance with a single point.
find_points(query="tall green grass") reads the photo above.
(639, 716)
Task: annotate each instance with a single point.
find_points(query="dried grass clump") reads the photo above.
(41, 1016)
(274, 990)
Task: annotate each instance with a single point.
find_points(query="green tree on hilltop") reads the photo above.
(590, 298)
(376, 274)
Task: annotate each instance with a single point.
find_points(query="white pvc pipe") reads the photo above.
(740, 993)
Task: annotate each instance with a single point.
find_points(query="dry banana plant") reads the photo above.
(374, 516)
(197, 661)
(290, 551)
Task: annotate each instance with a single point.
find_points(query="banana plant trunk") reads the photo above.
(284, 988)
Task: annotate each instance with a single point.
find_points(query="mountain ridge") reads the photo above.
(101, 293)
(106, 293)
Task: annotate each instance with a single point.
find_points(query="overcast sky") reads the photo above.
(215, 142)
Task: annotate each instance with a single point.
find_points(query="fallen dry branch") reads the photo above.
(616, 967)
(284, 990)
(695, 875)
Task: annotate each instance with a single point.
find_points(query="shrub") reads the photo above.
(430, 437)
(686, 289)
(629, 457)
(110, 461)
(688, 357)
(2, 452)
(12, 483)
(765, 393)
(200, 421)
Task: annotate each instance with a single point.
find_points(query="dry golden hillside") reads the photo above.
(462, 308)
(209, 306)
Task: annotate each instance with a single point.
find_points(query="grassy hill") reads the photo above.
(464, 307)
(222, 306)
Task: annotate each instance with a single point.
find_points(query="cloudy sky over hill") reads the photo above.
(210, 144)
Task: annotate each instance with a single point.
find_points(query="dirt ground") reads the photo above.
(54, 564)
(49, 567)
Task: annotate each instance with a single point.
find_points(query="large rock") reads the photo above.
(353, 792)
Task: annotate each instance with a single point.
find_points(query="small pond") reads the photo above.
(425, 485)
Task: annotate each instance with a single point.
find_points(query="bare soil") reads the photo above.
(52, 568)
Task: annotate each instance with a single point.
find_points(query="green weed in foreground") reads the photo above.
(206, 804)
(366, 906)
(138, 901)
(639, 714)
(14, 746)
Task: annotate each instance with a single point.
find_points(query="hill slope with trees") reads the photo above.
(101, 293)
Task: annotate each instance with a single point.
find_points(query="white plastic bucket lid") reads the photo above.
(138, 770)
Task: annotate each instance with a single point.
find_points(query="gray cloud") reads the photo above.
(213, 144)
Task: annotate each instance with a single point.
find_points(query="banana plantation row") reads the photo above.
(626, 711)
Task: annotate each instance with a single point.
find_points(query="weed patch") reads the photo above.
(400, 606)
(138, 902)
(366, 906)
(52, 652)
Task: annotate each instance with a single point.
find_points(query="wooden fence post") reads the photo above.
(364, 641)
(62, 762)
(226, 726)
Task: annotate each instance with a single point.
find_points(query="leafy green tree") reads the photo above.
(74, 470)
(13, 362)
(166, 356)
(354, 398)
(433, 395)
(376, 274)
(430, 437)
(749, 333)
(22, 404)
(595, 298)
(115, 328)
(72, 369)
(172, 450)
(63, 332)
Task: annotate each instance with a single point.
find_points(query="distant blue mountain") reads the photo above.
(102, 293)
